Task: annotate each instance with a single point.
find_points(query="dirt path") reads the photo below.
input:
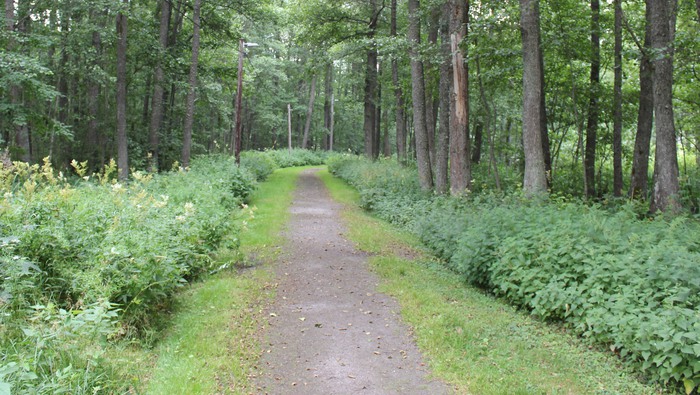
(329, 330)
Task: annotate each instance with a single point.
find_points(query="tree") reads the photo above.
(370, 102)
(445, 97)
(309, 112)
(460, 166)
(645, 115)
(534, 181)
(191, 93)
(398, 93)
(665, 196)
(122, 143)
(593, 105)
(617, 102)
(425, 174)
(158, 89)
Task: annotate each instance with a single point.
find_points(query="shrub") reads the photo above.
(630, 284)
(260, 164)
(74, 253)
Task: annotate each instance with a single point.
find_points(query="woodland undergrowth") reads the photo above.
(87, 261)
(627, 282)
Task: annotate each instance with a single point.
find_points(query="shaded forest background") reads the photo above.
(154, 82)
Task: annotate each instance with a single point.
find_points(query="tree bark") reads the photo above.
(478, 142)
(535, 180)
(432, 85)
(192, 91)
(327, 107)
(370, 118)
(398, 93)
(158, 89)
(592, 124)
(546, 150)
(122, 143)
(442, 153)
(645, 118)
(93, 131)
(665, 196)
(460, 166)
(425, 174)
(617, 102)
(309, 113)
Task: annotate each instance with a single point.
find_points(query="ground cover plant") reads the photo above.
(630, 284)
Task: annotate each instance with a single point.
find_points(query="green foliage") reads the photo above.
(260, 164)
(297, 157)
(632, 285)
(123, 249)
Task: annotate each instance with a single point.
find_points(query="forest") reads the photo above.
(547, 152)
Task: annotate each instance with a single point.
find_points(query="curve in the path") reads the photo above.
(330, 331)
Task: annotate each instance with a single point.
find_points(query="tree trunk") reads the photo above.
(535, 180)
(460, 166)
(478, 142)
(309, 113)
(418, 94)
(432, 85)
(122, 143)
(93, 129)
(592, 125)
(158, 90)
(398, 93)
(370, 119)
(442, 153)
(617, 103)
(332, 124)
(327, 107)
(378, 127)
(666, 188)
(546, 150)
(645, 118)
(191, 93)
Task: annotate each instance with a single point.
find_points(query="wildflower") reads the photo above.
(117, 187)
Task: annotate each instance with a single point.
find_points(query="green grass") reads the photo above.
(212, 345)
(473, 341)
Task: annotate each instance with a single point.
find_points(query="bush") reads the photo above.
(260, 164)
(102, 252)
(630, 284)
(297, 157)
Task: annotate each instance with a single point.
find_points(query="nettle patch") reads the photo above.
(630, 284)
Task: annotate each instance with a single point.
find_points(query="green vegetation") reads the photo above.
(473, 341)
(630, 285)
(91, 267)
(212, 344)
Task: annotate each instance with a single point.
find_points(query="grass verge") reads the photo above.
(212, 343)
(474, 342)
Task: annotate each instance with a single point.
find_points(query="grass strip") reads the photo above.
(212, 344)
(476, 343)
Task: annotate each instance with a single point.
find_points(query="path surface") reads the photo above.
(329, 330)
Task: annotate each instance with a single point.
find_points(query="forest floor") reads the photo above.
(329, 330)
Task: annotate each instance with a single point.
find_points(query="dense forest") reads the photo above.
(454, 86)
(546, 153)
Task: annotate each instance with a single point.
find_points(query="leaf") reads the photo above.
(689, 385)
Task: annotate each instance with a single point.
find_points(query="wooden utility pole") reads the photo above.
(289, 123)
(330, 144)
(239, 98)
